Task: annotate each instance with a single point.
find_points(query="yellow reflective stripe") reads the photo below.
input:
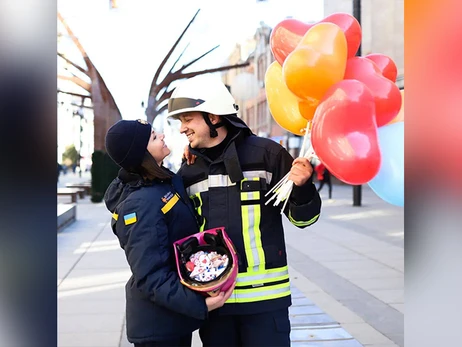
(253, 274)
(243, 282)
(261, 290)
(251, 215)
(167, 207)
(245, 196)
(199, 211)
(260, 294)
(302, 223)
(246, 235)
(263, 276)
(261, 254)
(115, 216)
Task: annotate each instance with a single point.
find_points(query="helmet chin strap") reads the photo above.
(213, 127)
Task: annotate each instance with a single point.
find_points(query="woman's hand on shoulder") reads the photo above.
(190, 158)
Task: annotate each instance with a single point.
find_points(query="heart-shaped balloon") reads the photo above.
(288, 33)
(285, 36)
(400, 116)
(350, 27)
(344, 132)
(388, 184)
(317, 62)
(282, 104)
(307, 108)
(386, 93)
(385, 64)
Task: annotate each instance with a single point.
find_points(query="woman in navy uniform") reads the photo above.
(150, 210)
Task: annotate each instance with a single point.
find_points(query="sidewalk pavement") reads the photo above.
(346, 274)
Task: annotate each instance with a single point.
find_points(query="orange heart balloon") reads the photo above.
(282, 104)
(317, 62)
(307, 108)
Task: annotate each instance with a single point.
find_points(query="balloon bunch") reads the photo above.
(347, 107)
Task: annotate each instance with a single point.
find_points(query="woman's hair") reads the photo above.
(150, 170)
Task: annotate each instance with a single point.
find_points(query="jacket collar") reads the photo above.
(229, 156)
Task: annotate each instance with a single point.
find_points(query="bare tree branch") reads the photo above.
(203, 55)
(178, 59)
(105, 109)
(162, 64)
(74, 94)
(76, 41)
(152, 111)
(163, 108)
(78, 67)
(81, 83)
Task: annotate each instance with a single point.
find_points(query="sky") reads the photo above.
(127, 44)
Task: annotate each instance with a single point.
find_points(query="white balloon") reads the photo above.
(245, 86)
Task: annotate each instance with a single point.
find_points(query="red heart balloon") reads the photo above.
(285, 37)
(288, 33)
(386, 65)
(344, 132)
(350, 27)
(386, 93)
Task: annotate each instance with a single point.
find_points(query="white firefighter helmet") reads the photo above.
(199, 94)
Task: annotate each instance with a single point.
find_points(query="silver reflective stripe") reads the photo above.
(250, 196)
(220, 181)
(198, 187)
(224, 181)
(259, 293)
(241, 277)
(258, 173)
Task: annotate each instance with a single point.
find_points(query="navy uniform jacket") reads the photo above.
(230, 192)
(147, 219)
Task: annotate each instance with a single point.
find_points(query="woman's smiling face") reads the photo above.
(157, 147)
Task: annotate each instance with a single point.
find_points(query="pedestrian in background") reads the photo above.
(324, 177)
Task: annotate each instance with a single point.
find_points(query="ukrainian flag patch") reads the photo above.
(130, 218)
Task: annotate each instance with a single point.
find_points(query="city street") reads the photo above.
(346, 272)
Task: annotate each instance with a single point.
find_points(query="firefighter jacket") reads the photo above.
(147, 218)
(230, 192)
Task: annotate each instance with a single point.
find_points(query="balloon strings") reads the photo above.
(283, 188)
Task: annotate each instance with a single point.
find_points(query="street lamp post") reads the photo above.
(80, 114)
(357, 190)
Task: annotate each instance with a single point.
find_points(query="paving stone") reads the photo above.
(341, 343)
(301, 301)
(296, 310)
(319, 334)
(311, 319)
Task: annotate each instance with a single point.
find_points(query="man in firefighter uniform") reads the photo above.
(227, 183)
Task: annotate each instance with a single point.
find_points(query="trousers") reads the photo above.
(182, 341)
(269, 329)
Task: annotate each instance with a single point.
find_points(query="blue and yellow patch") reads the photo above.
(130, 218)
